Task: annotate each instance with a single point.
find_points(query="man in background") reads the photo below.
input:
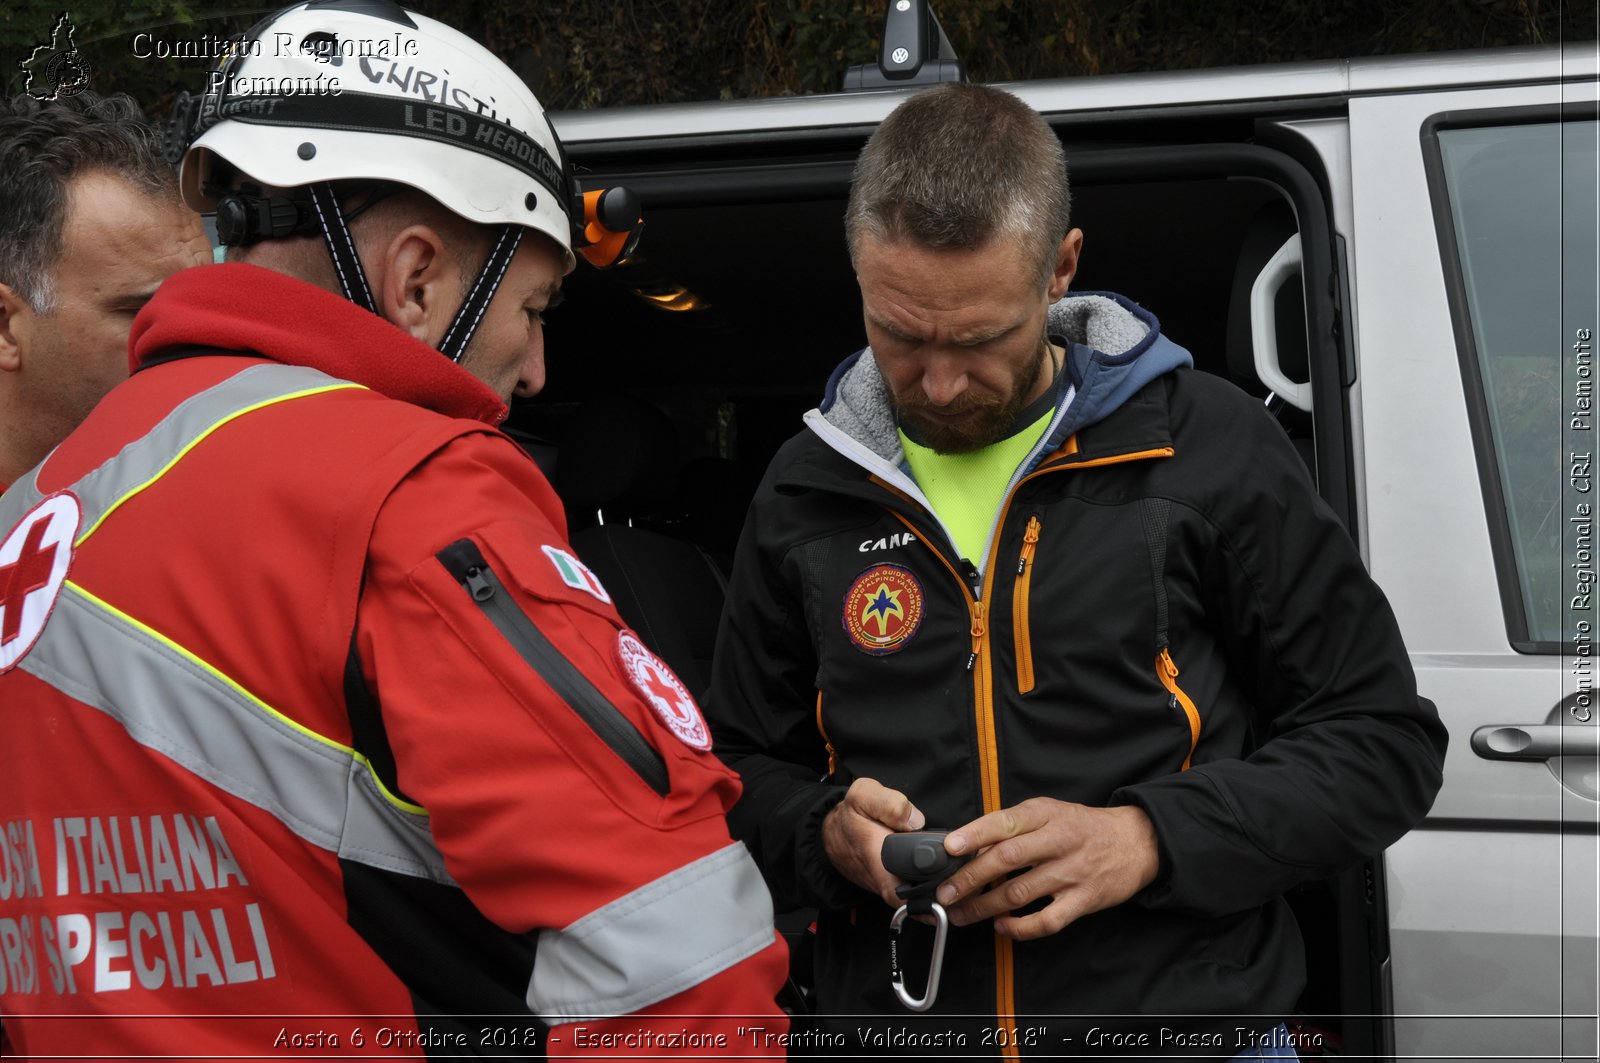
(90, 225)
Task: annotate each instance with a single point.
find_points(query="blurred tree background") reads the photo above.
(594, 53)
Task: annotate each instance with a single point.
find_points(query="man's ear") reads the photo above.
(416, 285)
(1066, 266)
(16, 318)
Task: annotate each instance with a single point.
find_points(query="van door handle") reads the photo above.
(1535, 742)
(1281, 268)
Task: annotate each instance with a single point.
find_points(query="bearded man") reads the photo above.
(1029, 577)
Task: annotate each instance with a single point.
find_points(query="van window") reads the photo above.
(1522, 204)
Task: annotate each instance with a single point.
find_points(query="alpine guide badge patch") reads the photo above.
(663, 691)
(883, 609)
(34, 557)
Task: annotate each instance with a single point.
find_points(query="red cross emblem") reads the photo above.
(663, 691)
(34, 558)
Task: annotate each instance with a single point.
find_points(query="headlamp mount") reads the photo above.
(244, 219)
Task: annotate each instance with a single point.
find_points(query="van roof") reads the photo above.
(1331, 80)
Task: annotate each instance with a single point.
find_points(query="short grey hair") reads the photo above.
(958, 166)
(44, 146)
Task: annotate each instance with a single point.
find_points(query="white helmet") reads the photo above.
(338, 90)
(364, 91)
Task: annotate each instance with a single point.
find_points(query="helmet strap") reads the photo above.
(341, 247)
(467, 319)
(353, 278)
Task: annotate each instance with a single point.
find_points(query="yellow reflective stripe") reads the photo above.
(243, 692)
(205, 434)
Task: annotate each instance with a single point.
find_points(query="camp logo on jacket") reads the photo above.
(883, 609)
(34, 558)
(663, 691)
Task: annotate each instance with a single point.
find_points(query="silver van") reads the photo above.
(1398, 256)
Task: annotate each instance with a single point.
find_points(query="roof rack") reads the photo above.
(915, 52)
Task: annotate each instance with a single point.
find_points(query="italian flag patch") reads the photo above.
(575, 573)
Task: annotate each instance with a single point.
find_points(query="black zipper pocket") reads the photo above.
(465, 562)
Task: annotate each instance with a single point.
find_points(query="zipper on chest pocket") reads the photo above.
(833, 754)
(1019, 605)
(1167, 672)
(464, 561)
(1153, 520)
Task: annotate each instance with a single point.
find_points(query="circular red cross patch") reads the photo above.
(663, 691)
(34, 557)
(882, 609)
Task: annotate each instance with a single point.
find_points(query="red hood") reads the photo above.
(237, 307)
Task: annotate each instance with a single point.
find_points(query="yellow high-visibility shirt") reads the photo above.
(966, 490)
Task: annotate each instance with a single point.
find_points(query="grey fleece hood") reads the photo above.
(1114, 348)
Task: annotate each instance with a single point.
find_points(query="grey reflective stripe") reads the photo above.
(655, 942)
(190, 421)
(171, 702)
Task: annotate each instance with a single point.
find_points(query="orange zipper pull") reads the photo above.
(978, 629)
(1030, 539)
(1167, 664)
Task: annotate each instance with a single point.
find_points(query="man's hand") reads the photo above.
(854, 829)
(1085, 859)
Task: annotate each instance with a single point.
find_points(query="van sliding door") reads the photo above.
(1474, 256)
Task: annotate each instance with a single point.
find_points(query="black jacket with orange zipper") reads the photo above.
(1168, 616)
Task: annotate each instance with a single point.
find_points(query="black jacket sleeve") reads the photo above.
(1349, 757)
(762, 708)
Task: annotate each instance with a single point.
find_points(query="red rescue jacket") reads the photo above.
(319, 738)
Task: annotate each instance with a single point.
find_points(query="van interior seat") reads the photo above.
(620, 473)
